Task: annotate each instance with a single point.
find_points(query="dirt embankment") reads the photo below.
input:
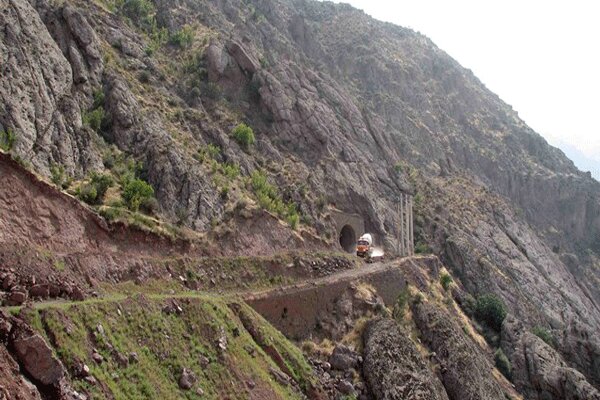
(52, 245)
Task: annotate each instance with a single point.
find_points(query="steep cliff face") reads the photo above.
(347, 111)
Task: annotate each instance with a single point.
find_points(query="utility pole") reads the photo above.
(401, 218)
(398, 226)
(411, 229)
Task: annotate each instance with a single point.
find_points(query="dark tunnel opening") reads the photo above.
(348, 238)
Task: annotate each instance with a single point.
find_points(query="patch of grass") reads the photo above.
(182, 38)
(7, 140)
(445, 281)
(59, 176)
(165, 343)
(59, 265)
(422, 248)
(545, 335)
(401, 306)
(269, 199)
(94, 119)
(503, 364)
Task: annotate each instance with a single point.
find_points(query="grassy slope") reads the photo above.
(165, 344)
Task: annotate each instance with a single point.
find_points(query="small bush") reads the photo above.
(231, 171)
(243, 135)
(94, 119)
(212, 90)
(98, 99)
(101, 183)
(469, 305)
(491, 310)
(422, 248)
(503, 364)
(141, 12)
(292, 220)
(144, 76)
(135, 192)
(7, 140)
(87, 193)
(445, 281)
(183, 38)
(111, 213)
(149, 205)
(59, 176)
(545, 335)
(269, 199)
(401, 304)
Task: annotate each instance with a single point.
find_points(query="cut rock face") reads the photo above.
(393, 366)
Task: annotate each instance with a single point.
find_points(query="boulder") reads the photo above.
(39, 291)
(343, 358)
(36, 357)
(187, 379)
(16, 298)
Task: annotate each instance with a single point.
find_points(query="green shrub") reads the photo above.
(401, 304)
(491, 310)
(59, 176)
(111, 213)
(144, 76)
(7, 140)
(94, 119)
(292, 220)
(545, 335)
(243, 135)
(503, 364)
(141, 12)
(182, 38)
(212, 90)
(231, 171)
(469, 305)
(98, 99)
(445, 281)
(101, 183)
(422, 248)
(269, 199)
(135, 192)
(87, 193)
(149, 205)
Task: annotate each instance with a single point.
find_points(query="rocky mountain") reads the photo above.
(238, 128)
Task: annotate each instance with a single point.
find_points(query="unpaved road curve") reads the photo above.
(364, 271)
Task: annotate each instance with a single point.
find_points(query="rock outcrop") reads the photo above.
(538, 370)
(393, 366)
(466, 372)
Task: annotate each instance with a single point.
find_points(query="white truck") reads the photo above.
(364, 245)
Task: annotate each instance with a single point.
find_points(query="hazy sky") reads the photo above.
(541, 57)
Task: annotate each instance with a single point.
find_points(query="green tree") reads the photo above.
(491, 310)
(135, 192)
(243, 135)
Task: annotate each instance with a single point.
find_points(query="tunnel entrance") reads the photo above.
(348, 238)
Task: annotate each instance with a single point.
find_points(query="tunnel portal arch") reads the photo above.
(347, 238)
(349, 228)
